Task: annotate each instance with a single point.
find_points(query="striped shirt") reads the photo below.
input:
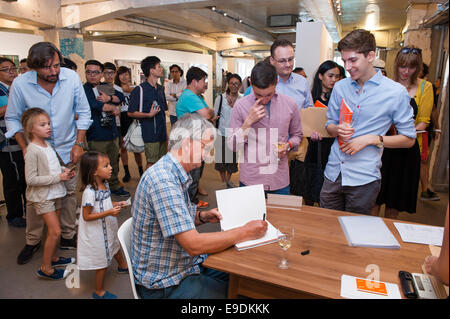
(162, 209)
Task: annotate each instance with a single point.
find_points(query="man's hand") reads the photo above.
(257, 112)
(345, 132)
(154, 110)
(254, 229)
(104, 98)
(76, 153)
(356, 144)
(210, 216)
(315, 136)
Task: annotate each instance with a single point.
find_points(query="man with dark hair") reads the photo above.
(352, 175)
(11, 158)
(68, 63)
(299, 70)
(282, 56)
(174, 89)
(191, 101)
(152, 116)
(103, 135)
(23, 67)
(60, 93)
(267, 125)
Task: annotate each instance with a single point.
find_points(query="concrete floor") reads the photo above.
(19, 281)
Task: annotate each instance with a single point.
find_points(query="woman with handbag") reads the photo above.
(400, 170)
(226, 159)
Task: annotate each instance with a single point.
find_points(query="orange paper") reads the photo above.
(345, 116)
(319, 104)
(374, 287)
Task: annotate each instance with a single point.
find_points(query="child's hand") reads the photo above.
(115, 210)
(65, 175)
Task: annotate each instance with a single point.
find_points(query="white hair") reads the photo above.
(190, 125)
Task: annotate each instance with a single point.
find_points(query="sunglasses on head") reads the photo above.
(409, 50)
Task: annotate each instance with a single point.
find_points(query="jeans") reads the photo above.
(209, 284)
(282, 191)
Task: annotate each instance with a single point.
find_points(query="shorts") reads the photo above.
(47, 206)
(154, 151)
(226, 159)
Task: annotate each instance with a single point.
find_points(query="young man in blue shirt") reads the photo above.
(103, 135)
(153, 116)
(352, 175)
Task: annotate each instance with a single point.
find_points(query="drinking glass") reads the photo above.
(286, 235)
(278, 146)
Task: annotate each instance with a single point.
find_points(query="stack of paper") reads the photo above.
(420, 234)
(241, 205)
(350, 289)
(367, 231)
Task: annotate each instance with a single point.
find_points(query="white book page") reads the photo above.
(420, 234)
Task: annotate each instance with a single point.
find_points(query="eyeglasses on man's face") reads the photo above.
(89, 72)
(109, 72)
(9, 70)
(282, 61)
(413, 50)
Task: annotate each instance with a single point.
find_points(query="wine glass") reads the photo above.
(285, 235)
(278, 146)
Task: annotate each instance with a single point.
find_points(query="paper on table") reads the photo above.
(314, 119)
(240, 205)
(349, 290)
(367, 231)
(420, 234)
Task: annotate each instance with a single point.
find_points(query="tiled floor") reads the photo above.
(19, 281)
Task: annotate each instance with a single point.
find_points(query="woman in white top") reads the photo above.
(123, 80)
(173, 90)
(226, 159)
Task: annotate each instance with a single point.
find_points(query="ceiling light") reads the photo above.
(154, 38)
(240, 20)
(224, 14)
(213, 8)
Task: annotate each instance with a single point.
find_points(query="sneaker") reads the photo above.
(230, 184)
(120, 192)
(26, 253)
(428, 195)
(66, 244)
(202, 204)
(107, 295)
(122, 270)
(17, 222)
(57, 274)
(62, 261)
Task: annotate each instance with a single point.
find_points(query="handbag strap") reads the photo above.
(141, 98)
(219, 111)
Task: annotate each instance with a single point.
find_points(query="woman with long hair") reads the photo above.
(319, 148)
(123, 79)
(400, 171)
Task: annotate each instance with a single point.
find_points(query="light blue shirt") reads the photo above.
(296, 87)
(381, 103)
(67, 99)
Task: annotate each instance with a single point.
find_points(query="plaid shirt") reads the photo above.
(162, 209)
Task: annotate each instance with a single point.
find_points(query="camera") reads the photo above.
(106, 120)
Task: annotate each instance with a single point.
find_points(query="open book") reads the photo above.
(240, 205)
(345, 116)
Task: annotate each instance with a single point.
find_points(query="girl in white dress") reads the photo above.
(97, 229)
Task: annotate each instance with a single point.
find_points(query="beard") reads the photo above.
(49, 78)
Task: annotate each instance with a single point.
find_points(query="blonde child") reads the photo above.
(97, 228)
(45, 188)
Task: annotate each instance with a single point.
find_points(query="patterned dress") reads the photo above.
(97, 239)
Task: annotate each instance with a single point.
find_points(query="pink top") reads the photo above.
(258, 162)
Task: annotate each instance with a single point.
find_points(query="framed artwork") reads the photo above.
(14, 58)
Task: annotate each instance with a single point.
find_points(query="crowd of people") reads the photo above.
(57, 130)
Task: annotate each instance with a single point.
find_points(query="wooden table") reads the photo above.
(254, 272)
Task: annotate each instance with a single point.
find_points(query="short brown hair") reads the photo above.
(410, 56)
(280, 43)
(28, 118)
(42, 52)
(360, 40)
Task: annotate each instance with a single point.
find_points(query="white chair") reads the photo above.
(124, 234)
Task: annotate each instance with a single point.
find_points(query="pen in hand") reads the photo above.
(264, 216)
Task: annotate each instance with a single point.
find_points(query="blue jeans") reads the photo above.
(209, 284)
(282, 191)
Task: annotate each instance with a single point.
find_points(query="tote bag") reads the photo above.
(133, 139)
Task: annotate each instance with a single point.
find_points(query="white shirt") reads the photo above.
(177, 89)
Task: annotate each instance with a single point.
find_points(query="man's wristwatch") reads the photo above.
(380, 144)
(81, 144)
(200, 218)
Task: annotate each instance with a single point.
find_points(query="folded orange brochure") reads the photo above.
(374, 287)
(345, 116)
(319, 104)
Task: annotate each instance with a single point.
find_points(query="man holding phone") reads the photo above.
(152, 116)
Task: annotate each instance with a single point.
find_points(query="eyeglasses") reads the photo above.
(281, 61)
(88, 72)
(409, 50)
(9, 70)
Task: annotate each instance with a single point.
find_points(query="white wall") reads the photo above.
(17, 43)
(314, 45)
(104, 52)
